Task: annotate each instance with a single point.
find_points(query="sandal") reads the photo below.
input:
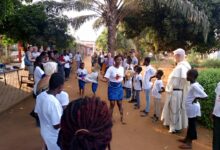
(185, 146)
(182, 140)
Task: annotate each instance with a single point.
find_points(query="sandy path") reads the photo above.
(18, 130)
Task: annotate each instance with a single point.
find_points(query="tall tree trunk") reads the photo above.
(112, 37)
(111, 25)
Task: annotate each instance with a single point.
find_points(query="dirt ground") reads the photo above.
(19, 132)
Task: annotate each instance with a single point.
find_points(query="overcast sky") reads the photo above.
(85, 32)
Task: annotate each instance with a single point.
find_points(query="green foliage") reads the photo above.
(122, 43)
(211, 63)
(5, 41)
(101, 42)
(171, 29)
(208, 79)
(37, 25)
(28, 21)
(193, 58)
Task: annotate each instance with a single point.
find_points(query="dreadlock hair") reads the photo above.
(85, 125)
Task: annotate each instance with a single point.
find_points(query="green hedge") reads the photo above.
(211, 63)
(208, 78)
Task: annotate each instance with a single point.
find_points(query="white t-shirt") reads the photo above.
(82, 73)
(49, 112)
(102, 57)
(149, 72)
(38, 72)
(67, 60)
(195, 91)
(115, 74)
(134, 60)
(35, 54)
(124, 64)
(71, 55)
(216, 110)
(137, 84)
(158, 84)
(130, 69)
(77, 57)
(63, 98)
(92, 77)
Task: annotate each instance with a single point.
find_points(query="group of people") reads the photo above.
(86, 122)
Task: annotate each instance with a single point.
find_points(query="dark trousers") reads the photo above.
(67, 72)
(191, 131)
(137, 97)
(127, 92)
(216, 133)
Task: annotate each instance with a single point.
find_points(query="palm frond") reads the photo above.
(191, 12)
(80, 5)
(78, 21)
(98, 23)
(127, 6)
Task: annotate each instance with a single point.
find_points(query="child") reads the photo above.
(133, 100)
(149, 72)
(81, 74)
(195, 92)
(216, 120)
(93, 78)
(63, 98)
(129, 70)
(158, 88)
(50, 111)
(137, 85)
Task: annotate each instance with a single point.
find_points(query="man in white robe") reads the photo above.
(174, 112)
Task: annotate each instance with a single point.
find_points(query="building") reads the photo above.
(86, 48)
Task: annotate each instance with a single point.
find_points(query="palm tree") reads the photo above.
(111, 12)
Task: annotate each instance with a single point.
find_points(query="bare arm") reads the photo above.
(104, 79)
(162, 90)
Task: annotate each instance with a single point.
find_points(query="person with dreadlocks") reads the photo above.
(85, 125)
(49, 111)
(114, 76)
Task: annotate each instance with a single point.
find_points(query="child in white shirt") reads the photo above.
(149, 72)
(216, 119)
(137, 81)
(81, 74)
(63, 98)
(158, 88)
(93, 78)
(129, 71)
(195, 93)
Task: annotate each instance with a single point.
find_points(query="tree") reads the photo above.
(122, 42)
(107, 12)
(8, 7)
(36, 25)
(111, 12)
(172, 30)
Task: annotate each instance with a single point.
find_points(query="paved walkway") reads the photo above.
(11, 94)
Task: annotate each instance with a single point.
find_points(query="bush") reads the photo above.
(211, 63)
(208, 79)
(193, 58)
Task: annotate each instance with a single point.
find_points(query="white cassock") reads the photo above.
(174, 112)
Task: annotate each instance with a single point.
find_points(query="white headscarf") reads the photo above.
(180, 52)
(50, 68)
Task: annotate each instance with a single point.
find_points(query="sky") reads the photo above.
(85, 32)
